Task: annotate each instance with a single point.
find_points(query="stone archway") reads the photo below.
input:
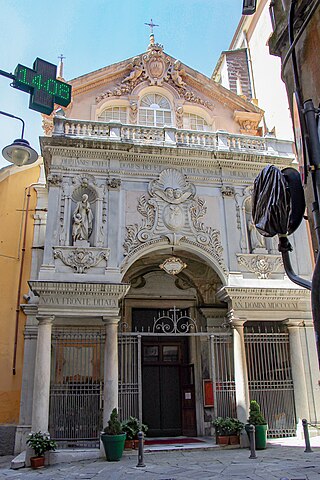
(152, 292)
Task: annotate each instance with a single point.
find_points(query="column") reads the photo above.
(110, 392)
(298, 369)
(41, 389)
(240, 367)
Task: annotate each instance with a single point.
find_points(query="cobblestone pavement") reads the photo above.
(277, 462)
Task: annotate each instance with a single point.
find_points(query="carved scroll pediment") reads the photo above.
(156, 68)
(173, 211)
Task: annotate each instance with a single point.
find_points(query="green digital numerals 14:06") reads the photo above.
(50, 85)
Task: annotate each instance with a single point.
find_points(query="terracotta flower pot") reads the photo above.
(37, 462)
(135, 444)
(234, 440)
(223, 440)
(129, 444)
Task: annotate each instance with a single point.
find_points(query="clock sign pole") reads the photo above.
(40, 81)
(42, 85)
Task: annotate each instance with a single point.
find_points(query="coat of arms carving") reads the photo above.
(173, 212)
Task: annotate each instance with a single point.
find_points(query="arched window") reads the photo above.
(194, 122)
(155, 111)
(113, 113)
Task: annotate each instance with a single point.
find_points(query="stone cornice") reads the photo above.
(81, 150)
(78, 300)
(264, 300)
(111, 289)
(266, 293)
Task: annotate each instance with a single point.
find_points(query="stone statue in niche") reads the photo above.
(82, 220)
(257, 241)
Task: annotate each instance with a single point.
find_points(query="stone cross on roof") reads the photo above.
(151, 25)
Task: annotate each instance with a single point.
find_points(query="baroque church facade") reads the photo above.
(154, 293)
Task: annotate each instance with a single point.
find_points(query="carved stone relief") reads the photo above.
(227, 191)
(156, 68)
(54, 179)
(114, 183)
(261, 265)
(81, 259)
(173, 211)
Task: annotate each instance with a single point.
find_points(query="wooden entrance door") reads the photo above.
(167, 388)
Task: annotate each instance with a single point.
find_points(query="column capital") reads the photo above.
(45, 319)
(111, 320)
(234, 321)
(293, 323)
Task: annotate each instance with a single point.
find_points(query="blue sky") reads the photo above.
(92, 34)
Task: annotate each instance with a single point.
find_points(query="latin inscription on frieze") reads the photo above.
(81, 162)
(158, 168)
(267, 305)
(80, 301)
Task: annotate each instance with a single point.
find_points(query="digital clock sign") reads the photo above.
(45, 90)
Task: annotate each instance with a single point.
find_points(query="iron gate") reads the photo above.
(76, 389)
(270, 380)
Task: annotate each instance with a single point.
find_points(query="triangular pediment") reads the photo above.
(155, 69)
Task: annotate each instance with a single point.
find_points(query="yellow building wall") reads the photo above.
(13, 183)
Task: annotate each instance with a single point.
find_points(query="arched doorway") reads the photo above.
(173, 359)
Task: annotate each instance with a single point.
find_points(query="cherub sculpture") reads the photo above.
(176, 71)
(136, 72)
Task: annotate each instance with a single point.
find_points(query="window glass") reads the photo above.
(170, 353)
(194, 122)
(151, 353)
(155, 111)
(114, 113)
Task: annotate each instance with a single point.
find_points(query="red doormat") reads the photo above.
(171, 441)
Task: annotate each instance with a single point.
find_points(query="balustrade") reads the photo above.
(220, 140)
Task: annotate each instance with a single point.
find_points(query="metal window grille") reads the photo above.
(270, 380)
(76, 389)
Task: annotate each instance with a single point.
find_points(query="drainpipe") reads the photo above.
(27, 191)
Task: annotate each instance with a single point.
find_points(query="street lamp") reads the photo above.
(19, 152)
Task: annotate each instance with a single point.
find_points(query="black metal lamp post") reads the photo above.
(19, 152)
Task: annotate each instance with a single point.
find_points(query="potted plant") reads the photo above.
(226, 429)
(257, 419)
(40, 443)
(235, 430)
(113, 438)
(132, 426)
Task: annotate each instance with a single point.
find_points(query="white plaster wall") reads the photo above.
(270, 90)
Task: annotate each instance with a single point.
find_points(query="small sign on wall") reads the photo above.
(208, 398)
